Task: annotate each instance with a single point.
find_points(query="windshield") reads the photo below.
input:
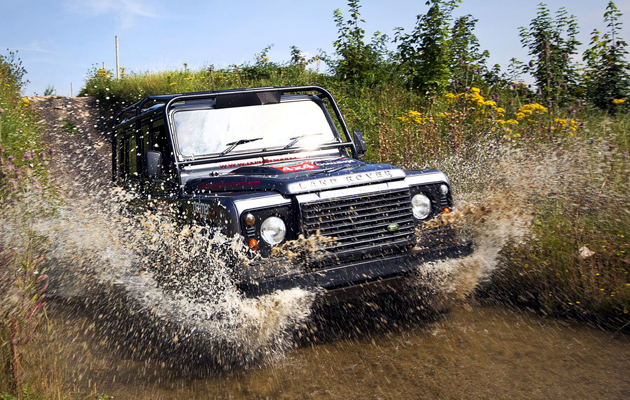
(209, 131)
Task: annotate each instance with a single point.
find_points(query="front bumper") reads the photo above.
(344, 277)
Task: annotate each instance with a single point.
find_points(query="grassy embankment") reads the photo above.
(575, 261)
(25, 367)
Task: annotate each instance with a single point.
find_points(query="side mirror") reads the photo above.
(359, 144)
(154, 164)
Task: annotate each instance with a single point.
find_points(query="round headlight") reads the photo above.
(421, 206)
(273, 230)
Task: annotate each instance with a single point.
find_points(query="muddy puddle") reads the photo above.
(475, 351)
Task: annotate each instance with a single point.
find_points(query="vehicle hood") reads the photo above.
(297, 176)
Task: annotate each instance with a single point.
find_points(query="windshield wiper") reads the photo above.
(294, 140)
(237, 143)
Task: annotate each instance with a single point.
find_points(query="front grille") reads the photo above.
(361, 225)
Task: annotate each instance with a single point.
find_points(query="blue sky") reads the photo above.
(60, 40)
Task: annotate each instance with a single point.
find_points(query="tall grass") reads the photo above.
(23, 197)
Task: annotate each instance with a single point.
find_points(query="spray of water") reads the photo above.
(159, 285)
(156, 287)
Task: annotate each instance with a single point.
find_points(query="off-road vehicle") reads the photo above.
(278, 165)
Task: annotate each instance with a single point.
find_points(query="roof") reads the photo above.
(256, 97)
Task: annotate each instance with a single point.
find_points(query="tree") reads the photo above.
(424, 54)
(552, 42)
(606, 74)
(467, 63)
(357, 61)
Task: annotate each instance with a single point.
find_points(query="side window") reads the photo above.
(159, 142)
(131, 148)
(120, 157)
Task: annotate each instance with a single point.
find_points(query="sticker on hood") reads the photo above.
(303, 166)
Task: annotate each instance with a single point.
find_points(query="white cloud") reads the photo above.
(128, 12)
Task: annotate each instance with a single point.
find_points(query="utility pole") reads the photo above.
(71, 90)
(117, 65)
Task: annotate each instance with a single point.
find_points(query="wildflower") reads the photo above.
(185, 65)
(475, 90)
(520, 115)
(511, 122)
(450, 96)
(173, 84)
(619, 101)
(10, 158)
(500, 110)
(50, 151)
(561, 122)
(25, 101)
(188, 78)
(516, 135)
(202, 77)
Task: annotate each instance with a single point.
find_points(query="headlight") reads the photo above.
(443, 189)
(421, 206)
(273, 230)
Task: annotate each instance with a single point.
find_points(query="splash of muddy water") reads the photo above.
(169, 287)
(153, 286)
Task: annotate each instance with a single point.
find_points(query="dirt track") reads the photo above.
(79, 134)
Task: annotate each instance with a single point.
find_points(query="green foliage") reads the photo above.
(20, 135)
(606, 76)
(50, 90)
(69, 126)
(467, 63)
(12, 72)
(357, 61)
(552, 43)
(424, 54)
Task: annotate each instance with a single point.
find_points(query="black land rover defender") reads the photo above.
(278, 165)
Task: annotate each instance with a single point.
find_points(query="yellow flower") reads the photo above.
(475, 90)
(512, 122)
(25, 101)
(500, 110)
(490, 103)
(173, 84)
(449, 96)
(202, 77)
(619, 101)
(188, 78)
(561, 122)
(520, 115)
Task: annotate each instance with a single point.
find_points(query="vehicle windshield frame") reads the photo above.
(327, 124)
